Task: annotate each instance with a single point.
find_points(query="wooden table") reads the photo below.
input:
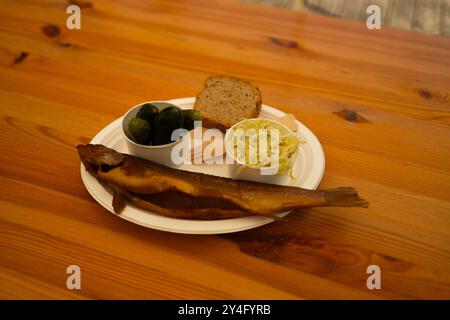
(377, 100)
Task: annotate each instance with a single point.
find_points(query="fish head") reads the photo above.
(97, 156)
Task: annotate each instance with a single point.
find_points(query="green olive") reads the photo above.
(190, 116)
(148, 112)
(140, 131)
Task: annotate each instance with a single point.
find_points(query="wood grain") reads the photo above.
(377, 100)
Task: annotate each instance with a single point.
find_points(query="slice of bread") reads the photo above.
(225, 101)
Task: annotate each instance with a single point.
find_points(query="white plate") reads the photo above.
(308, 170)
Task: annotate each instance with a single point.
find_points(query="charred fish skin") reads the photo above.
(137, 179)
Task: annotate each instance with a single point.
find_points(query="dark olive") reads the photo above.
(140, 131)
(169, 119)
(148, 112)
(172, 115)
(190, 116)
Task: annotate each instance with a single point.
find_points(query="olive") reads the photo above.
(148, 112)
(140, 131)
(169, 119)
(190, 116)
(172, 115)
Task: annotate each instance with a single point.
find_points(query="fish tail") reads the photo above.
(344, 197)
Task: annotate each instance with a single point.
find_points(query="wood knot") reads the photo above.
(21, 57)
(51, 30)
(284, 43)
(351, 116)
(309, 254)
(427, 95)
(390, 258)
(65, 44)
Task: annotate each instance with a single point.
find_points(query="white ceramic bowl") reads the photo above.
(160, 154)
(240, 171)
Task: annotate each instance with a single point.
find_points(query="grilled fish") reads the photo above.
(191, 195)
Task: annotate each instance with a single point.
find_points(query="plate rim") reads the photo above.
(90, 182)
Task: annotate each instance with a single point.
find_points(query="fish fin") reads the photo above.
(118, 201)
(344, 197)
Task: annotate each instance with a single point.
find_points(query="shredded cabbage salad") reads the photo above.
(249, 133)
